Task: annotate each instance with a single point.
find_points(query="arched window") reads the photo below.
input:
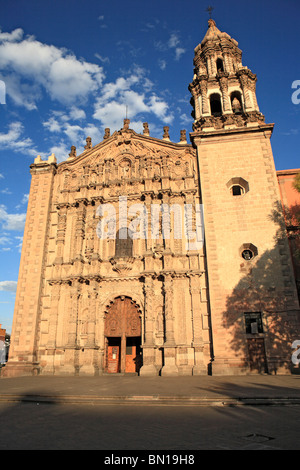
(220, 65)
(215, 105)
(124, 243)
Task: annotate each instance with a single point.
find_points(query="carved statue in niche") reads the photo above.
(157, 170)
(125, 169)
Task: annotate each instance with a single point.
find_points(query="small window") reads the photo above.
(253, 323)
(237, 190)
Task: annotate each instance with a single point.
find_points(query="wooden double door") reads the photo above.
(123, 337)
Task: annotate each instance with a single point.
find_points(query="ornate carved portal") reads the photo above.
(123, 333)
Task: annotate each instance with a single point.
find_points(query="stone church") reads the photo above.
(150, 257)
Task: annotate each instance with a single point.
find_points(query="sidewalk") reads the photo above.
(193, 391)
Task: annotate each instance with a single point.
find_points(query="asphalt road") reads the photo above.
(29, 426)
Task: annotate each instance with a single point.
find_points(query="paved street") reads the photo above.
(127, 427)
(115, 413)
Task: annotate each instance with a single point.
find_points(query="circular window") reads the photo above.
(248, 251)
(247, 255)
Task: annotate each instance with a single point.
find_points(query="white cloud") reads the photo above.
(179, 51)
(62, 123)
(14, 222)
(16, 35)
(110, 106)
(13, 140)
(25, 199)
(4, 240)
(77, 114)
(60, 150)
(55, 70)
(5, 191)
(1, 176)
(8, 286)
(52, 125)
(105, 60)
(162, 64)
(172, 43)
(20, 243)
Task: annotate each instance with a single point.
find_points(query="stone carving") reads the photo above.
(88, 143)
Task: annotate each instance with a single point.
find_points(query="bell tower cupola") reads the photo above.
(223, 90)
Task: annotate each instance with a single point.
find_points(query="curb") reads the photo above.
(154, 400)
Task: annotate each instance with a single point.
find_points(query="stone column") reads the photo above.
(79, 229)
(148, 201)
(170, 367)
(244, 80)
(199, 366)
(71, 357)
(61, 232)
(203, 90)
(149, 367)
(49, 368)
(92, 321)
(55, 296)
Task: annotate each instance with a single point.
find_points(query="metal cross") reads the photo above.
(210, 10)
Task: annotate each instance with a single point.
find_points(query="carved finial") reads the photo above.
(146, 128)
(183, 135)
(88, 143)
(166, 133)
(107, 133)
(72, 154)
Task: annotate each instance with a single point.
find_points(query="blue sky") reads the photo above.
(71, 68)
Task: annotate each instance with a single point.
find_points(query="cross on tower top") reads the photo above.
(210, 10)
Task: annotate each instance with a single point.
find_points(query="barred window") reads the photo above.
(253, 322)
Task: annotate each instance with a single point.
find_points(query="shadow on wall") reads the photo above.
(264, 333)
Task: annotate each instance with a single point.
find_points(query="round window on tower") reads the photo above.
(247, 255)
(248, 251)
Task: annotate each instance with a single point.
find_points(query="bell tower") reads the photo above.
(253, 301)
(223, 90)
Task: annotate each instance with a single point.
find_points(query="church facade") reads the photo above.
(151, 257)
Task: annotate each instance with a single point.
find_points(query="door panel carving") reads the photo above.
(123, 321)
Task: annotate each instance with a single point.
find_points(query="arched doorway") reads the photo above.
(123, 336)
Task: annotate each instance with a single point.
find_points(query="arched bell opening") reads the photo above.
(236, 102)
(215, 105)
(220, 65)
